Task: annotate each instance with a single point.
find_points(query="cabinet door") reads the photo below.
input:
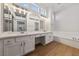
(49, 38)
(29, 44)
(12, 49)
(1, 48)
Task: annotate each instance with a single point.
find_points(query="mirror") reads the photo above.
(36, 26)
(7, 19)
(21, 25)
(11, 22)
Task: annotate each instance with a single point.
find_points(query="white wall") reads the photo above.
(1, 17)
(49, 21)
(68, 20)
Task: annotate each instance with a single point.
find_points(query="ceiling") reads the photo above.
(56, 7)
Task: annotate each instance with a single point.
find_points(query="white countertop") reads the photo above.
(17, 34)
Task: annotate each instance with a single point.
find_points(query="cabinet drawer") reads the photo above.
(21, 39)
(9, 41)
(18, 39)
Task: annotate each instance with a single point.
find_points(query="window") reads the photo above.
(35, 7)
(23, 5)
(43, 12)
(36, 26)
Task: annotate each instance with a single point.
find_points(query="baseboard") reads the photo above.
(68, 42)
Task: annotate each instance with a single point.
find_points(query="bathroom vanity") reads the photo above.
(19, 44)
(20, 28)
